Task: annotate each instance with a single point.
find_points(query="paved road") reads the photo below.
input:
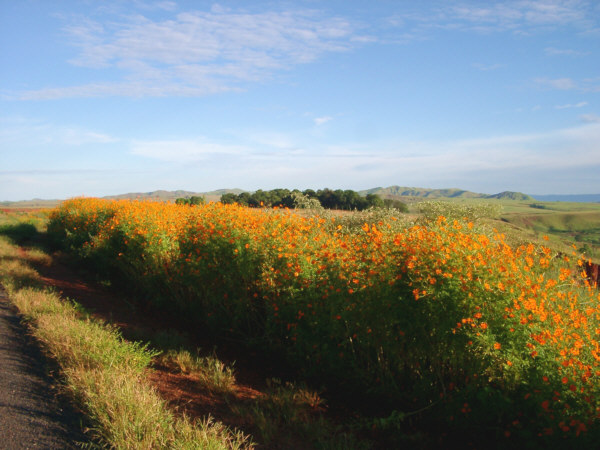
(31, 415)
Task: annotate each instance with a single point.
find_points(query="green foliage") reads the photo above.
(339, 199)
(19, 233)
(304, 201)
(193, 200)
(440, 317)
(213, 374)
(580, 227)
(431, 210)
(395, 204)
(103, 372)
(538, 206)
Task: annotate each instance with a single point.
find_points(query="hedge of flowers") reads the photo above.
(451, 324)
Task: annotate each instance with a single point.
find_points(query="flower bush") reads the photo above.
(448, 322)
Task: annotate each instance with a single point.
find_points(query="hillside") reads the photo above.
(509, 195)
(36, 203)
(154, 195)
(408, 194)
(173, 195)
(400, 191)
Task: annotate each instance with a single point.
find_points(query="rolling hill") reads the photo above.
(400, 191)
(410, 194)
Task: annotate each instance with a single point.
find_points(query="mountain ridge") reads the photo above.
(393, 192)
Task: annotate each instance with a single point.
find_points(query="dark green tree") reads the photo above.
(229, 198)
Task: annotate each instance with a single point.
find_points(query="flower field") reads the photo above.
(447, 322)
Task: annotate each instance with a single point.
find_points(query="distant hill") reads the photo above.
(173, 195)
(235, 191)
(509, 195)
(35, 203)
(391, 192)
(583, 198)
(157, 195)
(160, 195)
(400, 191)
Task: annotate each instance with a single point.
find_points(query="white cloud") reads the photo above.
(182, 151)
(569, 105)
(566, 148)
(127, 89)
(565, 160)
(590, 118)
(196, 53)
(322, 120)
(564, 52)
(565, 84)
(558, 83)
(514, 16)
(33, 132)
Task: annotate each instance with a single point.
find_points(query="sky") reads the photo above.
(107, 97)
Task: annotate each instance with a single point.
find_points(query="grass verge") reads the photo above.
(103, 372)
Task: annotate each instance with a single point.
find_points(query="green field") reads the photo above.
(565, 223)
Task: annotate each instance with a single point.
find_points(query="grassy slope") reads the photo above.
(565, 223)
(571, 223)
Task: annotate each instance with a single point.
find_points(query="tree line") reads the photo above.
(330, 199)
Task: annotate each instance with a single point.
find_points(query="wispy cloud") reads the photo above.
(322, 120)
(557, 83)
(197, 53)
(566, 84)
(571, 105)
(551, 51)
(569, 147)
(516, 16)
(590, 118)
(138, 89)
(33, 132)
(565, 160)
(183, 151)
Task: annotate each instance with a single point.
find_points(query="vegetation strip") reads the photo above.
(103, 372)
(443, 318)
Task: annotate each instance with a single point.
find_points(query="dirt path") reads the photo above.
(32, 415)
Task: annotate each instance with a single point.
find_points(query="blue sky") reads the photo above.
(107, 97)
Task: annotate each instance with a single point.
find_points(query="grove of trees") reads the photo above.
(193, 200)
(330, 199)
